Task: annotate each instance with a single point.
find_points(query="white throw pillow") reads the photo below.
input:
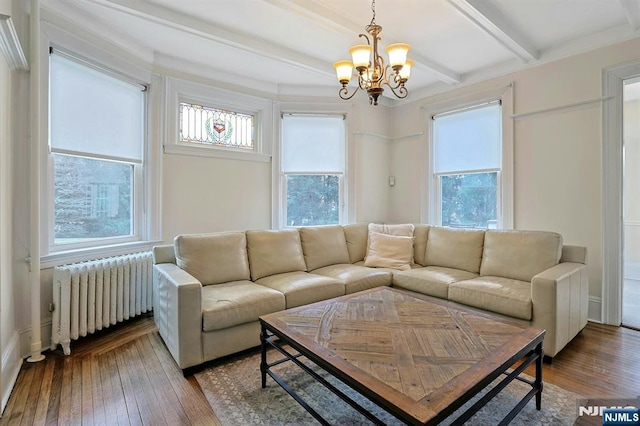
(403, 229)
(400, 230)
(389, 251)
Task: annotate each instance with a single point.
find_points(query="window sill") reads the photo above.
(205, 151)
(81, 255)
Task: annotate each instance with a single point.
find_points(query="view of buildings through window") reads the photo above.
(92, 198)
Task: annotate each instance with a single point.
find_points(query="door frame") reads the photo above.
(612, 190)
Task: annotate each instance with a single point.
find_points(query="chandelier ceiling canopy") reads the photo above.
(371, 70)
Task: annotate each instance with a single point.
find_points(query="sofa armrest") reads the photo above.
(164, 254)
(560, 297)
(178, 313)
(575, 254)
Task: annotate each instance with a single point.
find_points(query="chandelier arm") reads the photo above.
(392, 80)
(401, 92)
(344, 93)
(366, 37)
(362, 82)
(382, 68)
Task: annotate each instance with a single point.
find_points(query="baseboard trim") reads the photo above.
(25, 338)
(595, 309)
(11, 363)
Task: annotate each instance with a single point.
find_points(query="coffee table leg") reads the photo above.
(263, 358)
(538, 382)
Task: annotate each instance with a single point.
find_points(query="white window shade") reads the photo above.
(468, 140)
(313, 144)
(94, 114)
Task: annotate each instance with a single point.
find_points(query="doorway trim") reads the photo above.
(612, 190)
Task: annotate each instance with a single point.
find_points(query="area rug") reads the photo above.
(234, 391)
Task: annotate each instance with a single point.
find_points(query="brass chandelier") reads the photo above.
(372, 72)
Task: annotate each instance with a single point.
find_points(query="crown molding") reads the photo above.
(632, 12)
(10, 45)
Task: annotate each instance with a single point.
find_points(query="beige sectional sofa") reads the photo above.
(210, 289)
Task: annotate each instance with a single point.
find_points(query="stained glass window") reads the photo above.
(212, 126)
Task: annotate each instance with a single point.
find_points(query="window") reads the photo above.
(206, 125)
(313, 163)
(206, 121)
(97, 132)
(467, 147)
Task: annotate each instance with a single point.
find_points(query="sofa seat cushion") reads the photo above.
(495, 294)
(323, 246)
(302, 288)
(237, 302)
(356, 278)
(432, 280)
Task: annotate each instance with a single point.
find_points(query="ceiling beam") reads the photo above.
(328, 18)
(632, 12)
(490, 20)
(217, 33)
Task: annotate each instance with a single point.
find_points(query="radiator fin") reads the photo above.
(90, 296)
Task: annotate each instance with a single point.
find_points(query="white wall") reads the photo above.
(558, 154)
(204, 194)
(11, 269)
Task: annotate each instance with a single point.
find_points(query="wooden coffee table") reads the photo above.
(418, 357)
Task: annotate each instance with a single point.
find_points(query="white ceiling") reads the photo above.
(285, 46)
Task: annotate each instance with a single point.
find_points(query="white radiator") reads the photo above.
(90, 296)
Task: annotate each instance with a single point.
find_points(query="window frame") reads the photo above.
(279, 203)
(178, 91)
(430, 196)
(146, 201)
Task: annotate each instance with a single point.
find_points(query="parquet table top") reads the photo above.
(415, 352)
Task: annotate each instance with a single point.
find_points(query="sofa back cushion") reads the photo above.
(455, 248)
(323, 246)
(519, 255)
(356, 237)
(420, 236)
(213, 258)
(274, 252)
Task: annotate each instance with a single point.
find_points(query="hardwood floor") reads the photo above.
(127, 376)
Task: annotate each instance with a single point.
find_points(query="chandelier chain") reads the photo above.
(373, 9)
